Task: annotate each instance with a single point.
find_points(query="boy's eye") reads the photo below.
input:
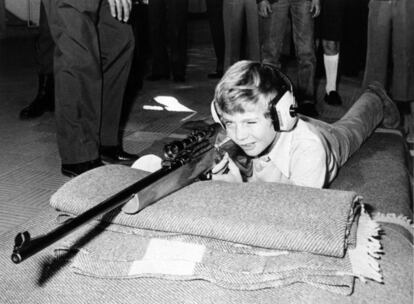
(251, 122)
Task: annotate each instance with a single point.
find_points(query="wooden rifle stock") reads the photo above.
(185, 161)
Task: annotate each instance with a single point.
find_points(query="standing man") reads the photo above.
(390, 49)
(215, 19)
(274, 20)
(330, 29)
(44, 47)
(93, 53)
(241, 31)
(390, 54)
(168, 37)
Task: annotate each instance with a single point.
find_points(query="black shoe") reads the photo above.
(44, 100)
(308, 109)
(179, 78)
(157, 77)
(333, 98)
(115, 155)
(73, 170)
(215, 75)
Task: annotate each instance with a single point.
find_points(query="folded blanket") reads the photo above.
(328, 237)
(142, 254)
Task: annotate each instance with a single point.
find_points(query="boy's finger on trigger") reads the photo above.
(220, 166)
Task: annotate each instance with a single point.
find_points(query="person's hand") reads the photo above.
(315, 8)
(264, 8)
(120, 9)
(226, 170)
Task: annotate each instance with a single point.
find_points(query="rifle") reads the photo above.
(185, 162)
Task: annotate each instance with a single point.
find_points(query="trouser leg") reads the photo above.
(177, 34)
(379, 29)
(44, 48)
(158, 37)
(346, 135)
(403, 50)
(252, 30)
(117, 48)
(44, 44)
(357, 124)
(273, 31)
(78, 78)
(303, 37)
(233, 18)
(215, 18)
(139, 24)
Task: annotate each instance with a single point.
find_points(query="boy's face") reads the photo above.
(251, 130)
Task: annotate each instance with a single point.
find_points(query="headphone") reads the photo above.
(282, 107)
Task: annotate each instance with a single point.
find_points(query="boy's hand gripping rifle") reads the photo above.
(185, 161)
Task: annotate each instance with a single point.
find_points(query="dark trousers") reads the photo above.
(215, 19)
(168, 29)
(354, 41)
(390, 51)
(44, 44)
(92, 60)
(241, 31)
(139, 23)
(273, 33)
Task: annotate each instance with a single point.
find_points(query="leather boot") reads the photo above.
(44, 100)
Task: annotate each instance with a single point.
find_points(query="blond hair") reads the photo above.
(245, 81)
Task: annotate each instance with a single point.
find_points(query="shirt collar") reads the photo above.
(280, 153)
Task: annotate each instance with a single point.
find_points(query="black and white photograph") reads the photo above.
(206, 151)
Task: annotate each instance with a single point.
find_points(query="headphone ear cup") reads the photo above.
(214, 114)
(285, 112)
(273, 116)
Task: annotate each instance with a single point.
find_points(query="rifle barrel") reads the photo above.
(187, 160)
(25, 247)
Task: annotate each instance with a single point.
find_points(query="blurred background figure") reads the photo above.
(354, 38)
(215, 19)
(390, 53)
(274, 20)
(139, 23)
(168, 32)
(140, 66)
(241, 31)
(44, 47)
(329, 28)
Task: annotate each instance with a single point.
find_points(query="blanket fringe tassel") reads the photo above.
(393, 218)
(364, 257)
